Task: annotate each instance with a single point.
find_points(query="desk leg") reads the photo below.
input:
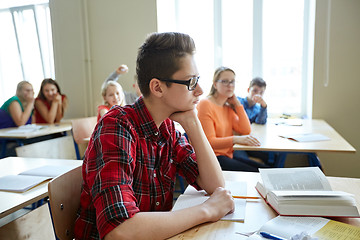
(280, 161)
(314, 160)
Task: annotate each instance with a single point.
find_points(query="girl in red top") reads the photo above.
(113, 94)
(50, 104)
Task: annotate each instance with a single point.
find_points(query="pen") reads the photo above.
(245, 197)
(271, 236)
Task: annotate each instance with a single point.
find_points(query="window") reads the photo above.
(272, 39)
(26, 51)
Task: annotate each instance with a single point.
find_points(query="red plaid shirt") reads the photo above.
(130, 165)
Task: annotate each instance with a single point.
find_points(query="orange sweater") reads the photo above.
(219, 123)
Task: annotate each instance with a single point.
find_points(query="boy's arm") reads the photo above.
(210, 174)
(262, 116)
(162, 225)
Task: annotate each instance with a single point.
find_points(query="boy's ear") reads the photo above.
(155, 87)
(248, 90)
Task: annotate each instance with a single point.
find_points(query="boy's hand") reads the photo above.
(219, 204)
(184, 117)
(122, 69)
(258, 99)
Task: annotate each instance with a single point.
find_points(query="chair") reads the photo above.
(82, 128)
(64, 200)
(62, 147)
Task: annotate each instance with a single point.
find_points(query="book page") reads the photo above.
(27, 128)
(338, 230)
(236, 188)
(20, 183)
(48, 171)
(306, 137)
(288, 227)
(187, 201)
(305, 178)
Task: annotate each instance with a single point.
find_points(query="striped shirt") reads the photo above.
(130, 165)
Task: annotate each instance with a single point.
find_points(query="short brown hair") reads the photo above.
(159, 57)
(258, 81)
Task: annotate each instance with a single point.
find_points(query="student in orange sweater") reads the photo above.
(220, 115)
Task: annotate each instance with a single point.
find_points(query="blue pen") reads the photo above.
(271, 236)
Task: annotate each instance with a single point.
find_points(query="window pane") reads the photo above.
(282, 54)
(45, 37)
(10, 65)
(29, 45)
(237, 40)
(199, 24)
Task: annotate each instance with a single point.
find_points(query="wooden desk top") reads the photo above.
(268, 135)
(47, 130)
(10, 201)
(258, 212)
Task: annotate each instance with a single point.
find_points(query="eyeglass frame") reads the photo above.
(183, 82)
(226, 82)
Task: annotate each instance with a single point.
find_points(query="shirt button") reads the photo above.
(157, 203)
(154, 174)
(171, 161)
(156, 133)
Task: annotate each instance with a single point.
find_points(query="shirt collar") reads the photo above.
(146, 123)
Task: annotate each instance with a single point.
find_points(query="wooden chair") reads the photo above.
(64, 200)
(62, 147)
(82, 128)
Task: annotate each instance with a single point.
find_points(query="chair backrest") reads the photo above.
(83, 128)
(64, 201)
(62, 147)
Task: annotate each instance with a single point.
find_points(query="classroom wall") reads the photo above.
(338, 102)
(91, 39)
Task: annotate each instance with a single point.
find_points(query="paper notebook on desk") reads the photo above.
(306, 137)
(322, 228)
(304, 192)
(28, 179)
(27, 128)
(192, 197)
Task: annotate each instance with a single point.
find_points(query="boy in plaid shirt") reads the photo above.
(135, 152)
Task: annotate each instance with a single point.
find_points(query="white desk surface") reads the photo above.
(268, 135)
(10, 201)
(47, 130)
(258, 212)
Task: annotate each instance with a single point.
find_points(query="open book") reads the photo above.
(28, 179)
(292, 227)
(304, 192)
(192, 197)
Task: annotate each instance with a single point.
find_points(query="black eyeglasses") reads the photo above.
(227, 82)
(191, 83)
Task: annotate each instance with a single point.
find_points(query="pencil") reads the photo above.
(245, 197)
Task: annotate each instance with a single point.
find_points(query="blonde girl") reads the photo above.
(113, 94)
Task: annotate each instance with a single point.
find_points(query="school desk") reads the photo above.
(258, 212)
(17, 134)
(269, 137)
(11, 201)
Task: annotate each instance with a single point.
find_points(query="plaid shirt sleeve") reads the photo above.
(184, 155)
(109, 174)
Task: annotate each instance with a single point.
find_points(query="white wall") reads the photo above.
(91, 39)
(339, 102)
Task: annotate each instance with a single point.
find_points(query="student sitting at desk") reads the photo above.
(113, 94)
(135, 152)
(220, 115)
(17, 110)
(130, 97)
(50, 104)
(254, 103)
